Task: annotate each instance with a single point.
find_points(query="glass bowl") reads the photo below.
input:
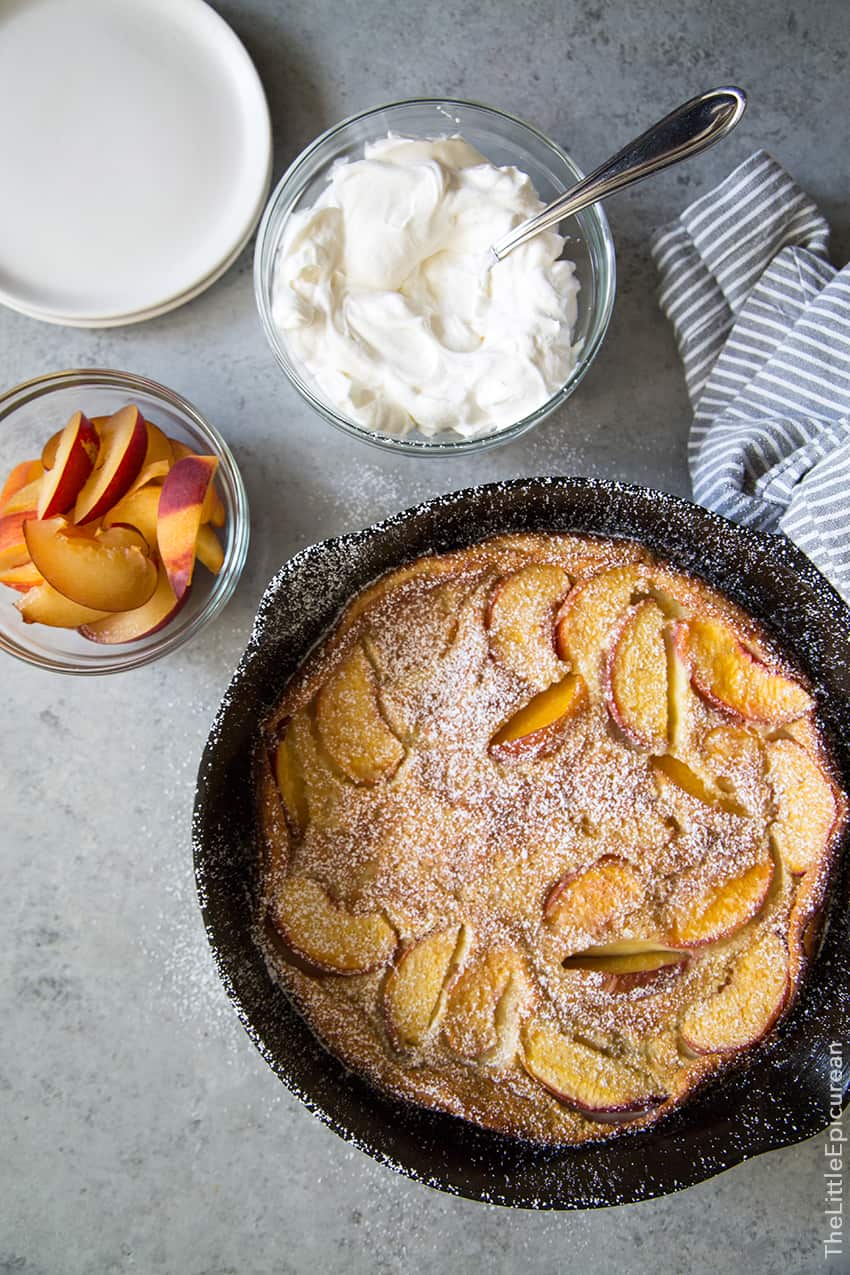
(503, 140)
(29, 414)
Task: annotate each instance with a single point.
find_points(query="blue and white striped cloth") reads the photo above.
(762, 321)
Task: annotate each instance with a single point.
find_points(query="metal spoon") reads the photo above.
(691, 128)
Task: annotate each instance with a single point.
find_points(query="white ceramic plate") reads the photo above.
(135, 152)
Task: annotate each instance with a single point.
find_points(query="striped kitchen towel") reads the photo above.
(762, 322)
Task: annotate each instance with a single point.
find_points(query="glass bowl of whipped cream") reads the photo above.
(379, 296)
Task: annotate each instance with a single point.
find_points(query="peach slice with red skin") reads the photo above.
(521, 622)
(806, 807)
(636, 676)
(350, 723)
(723, 909)
(13, 545)
(417, 984)
(213, 510)
(45, 605)
(729, 676)
(179, 517)
(21, 578)
(123, 443)
(540, 725)
(590, 899)
(129, 626)
(327, 936)
(486, 1006)
(76, 454)
(98, 570)
(602, 1088)
(743, 1011)
(626, 965)
(21, 476)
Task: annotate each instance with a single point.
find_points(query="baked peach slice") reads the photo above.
(486, 1007)
(729, 676)
(587, 619)
(806, 806)
(636, 676)
(417, 984)
(180, 515)
(123, 443)
(626, 964)
(521, 622)
(350, 723)
(327, 936)
(24, 473)
(746, 1007)
(540, 724)
(289, 774)
(102, 570)
(600, 1087)
(594, 897)
(45, 605)
(129, 626)
(21, 578)
(76, 454)
(669, 770)
(13, 545)
(723, 909)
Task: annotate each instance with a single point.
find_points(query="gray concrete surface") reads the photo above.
(140, 1130)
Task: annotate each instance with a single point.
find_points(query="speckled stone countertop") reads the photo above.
(142, 1131)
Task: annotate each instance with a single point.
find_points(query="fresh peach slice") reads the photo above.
(158, 449)
(137, 509)
(213, 510)
(94, 570)
(209, 550)
(521, 622)
(729, 676)
(21, 476)
(723, 909)
(591, 899)
(154, 473)
(415, 988)
(75, 459)
(350, 723)
(181, 506)
(45, 605)
(13, 547)
(746, 1007)
(636, 676)
(25, 497)
(129, 626)
(806, 808)
(21, 578)
(670, 770)
(327, 936)
(628, 968)
(122, 451)
(602, 1088)
(486, 1006)
(289, 774)
(587, 619)
(540, 724)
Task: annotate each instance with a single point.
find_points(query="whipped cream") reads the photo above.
(382, 292)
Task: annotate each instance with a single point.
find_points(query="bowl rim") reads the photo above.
(604, 294)
(173, 635)
(686, 1152)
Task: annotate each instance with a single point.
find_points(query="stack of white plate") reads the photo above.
(135, 156)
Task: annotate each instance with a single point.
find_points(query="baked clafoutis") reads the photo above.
(546, 828)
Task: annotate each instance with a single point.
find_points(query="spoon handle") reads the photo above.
(691, 128)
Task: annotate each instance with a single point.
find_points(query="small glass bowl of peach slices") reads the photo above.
(123, 521)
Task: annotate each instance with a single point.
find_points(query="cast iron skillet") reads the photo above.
(778, 1095)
